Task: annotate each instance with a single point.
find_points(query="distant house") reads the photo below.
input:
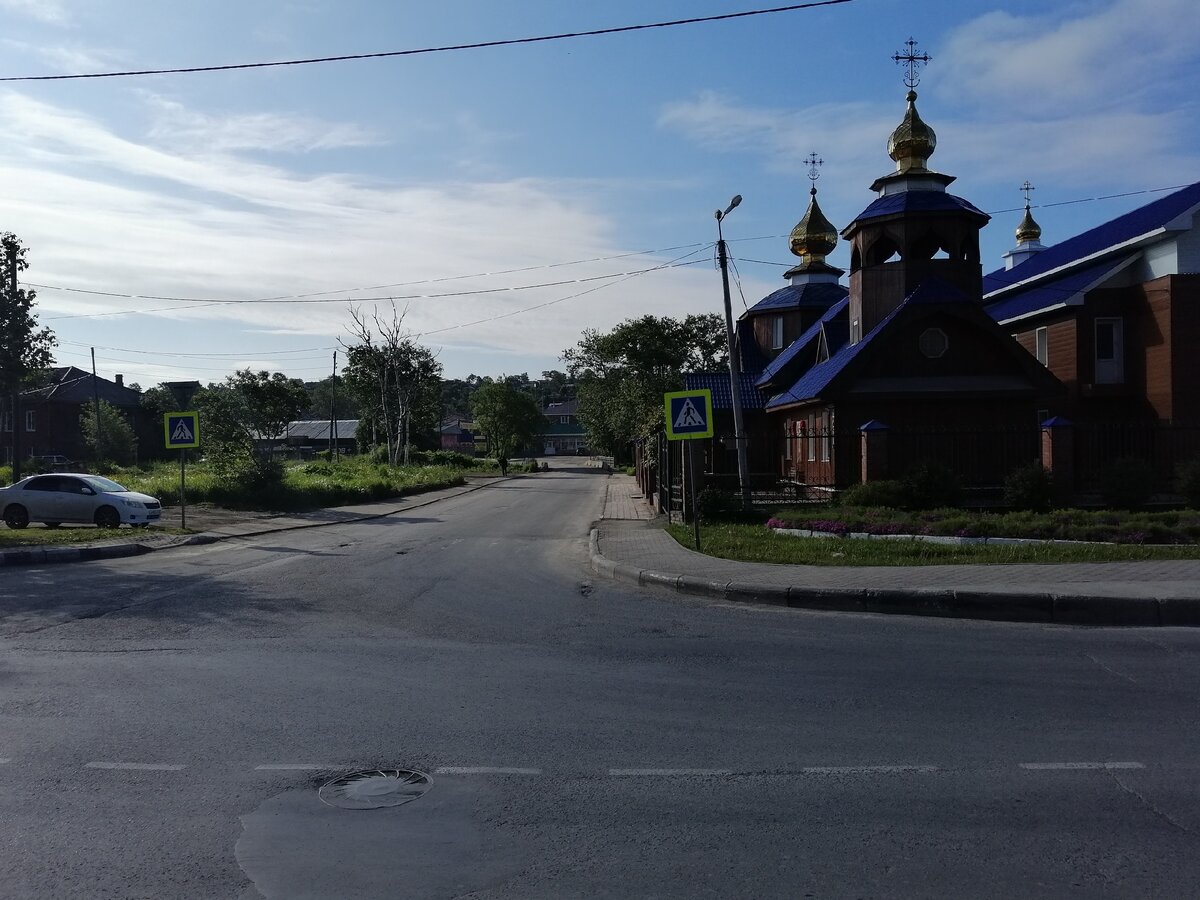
(563, 432)
(305, 437)
(458, 435)
(49, 414)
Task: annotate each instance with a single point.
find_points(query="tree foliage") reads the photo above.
(509, 418)
(115, 442)
(25, 349)
(621, 375)
(240, 417)
(396, 382)
(330, 397)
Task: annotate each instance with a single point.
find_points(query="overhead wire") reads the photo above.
(478, 45)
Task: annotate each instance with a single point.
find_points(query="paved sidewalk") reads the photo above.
(1166, 592)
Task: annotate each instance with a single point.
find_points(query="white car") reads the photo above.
(70, 497)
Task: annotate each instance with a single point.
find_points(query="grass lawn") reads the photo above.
(757, 543)
(41, 536)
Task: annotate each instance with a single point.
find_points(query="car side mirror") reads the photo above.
(89, 492)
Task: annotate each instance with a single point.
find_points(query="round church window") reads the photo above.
(933, 342)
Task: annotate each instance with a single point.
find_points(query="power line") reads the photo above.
(202, 355)
(199, 303)
(426, 50)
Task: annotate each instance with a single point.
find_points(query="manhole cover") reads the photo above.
(375, 789)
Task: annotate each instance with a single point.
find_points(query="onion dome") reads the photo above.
(913, 142)
(814, 237)
(1028, 230)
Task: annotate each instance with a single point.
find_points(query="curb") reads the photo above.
(1041, 607)
(35, 556)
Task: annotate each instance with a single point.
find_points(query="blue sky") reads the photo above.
(420, 175)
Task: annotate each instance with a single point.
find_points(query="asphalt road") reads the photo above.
(166, 721)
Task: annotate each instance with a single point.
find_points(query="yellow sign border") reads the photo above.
(195, 417)
(703, 394)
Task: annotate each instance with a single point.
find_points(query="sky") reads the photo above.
(511, 197)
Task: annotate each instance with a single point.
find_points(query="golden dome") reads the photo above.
(814, 237)
(913, 142)
(1028, 230)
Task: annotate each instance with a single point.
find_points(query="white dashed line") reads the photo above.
(296, 767)
(484, 770)
(864, 770)
(136, 767)
(669, 773)
(1082, 765)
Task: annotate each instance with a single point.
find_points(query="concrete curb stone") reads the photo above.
(1038, 607)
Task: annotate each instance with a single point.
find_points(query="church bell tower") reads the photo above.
(915, 230)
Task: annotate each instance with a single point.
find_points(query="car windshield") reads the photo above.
(104, 484)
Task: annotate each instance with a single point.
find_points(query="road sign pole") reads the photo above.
(182, 487)
(691, 445)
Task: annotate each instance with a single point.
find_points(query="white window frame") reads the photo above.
(825, 439)
(812, 439)
(6, 419)
(787, 440)
(777, 333)
(30, 420)
(1041, 345)
(1109, 371)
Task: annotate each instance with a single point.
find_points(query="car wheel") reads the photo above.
(107, 517)
(16, 516)
(52, 524)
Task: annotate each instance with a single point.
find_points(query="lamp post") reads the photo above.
(735, 365)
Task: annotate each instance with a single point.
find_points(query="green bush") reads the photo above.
(1029, 487)
(1128, 483)
(1188, 483)
(931, 485)
(5, 475)
(378, 454)
(890, 494)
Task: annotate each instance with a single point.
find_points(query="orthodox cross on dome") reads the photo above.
(1025, 189)
(814, 167)
(913, 60)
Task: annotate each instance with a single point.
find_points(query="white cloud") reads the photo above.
(1104, 57)
(180, 127)
(105, 212)
(49, 11)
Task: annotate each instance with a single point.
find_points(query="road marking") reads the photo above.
(296, 767)
(669, 773)
(484, 770)
(1082, 765)
(864, 770)
(136, 767)
(5, 760)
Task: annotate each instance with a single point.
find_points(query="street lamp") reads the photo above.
(735, 365)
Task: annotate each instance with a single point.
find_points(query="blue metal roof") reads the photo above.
(805, 342)
(1055, 291)
(797, 296)
(718, 383)
(1143, 220)
(919, 201)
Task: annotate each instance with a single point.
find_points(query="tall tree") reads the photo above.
(621, 375)
(25, 349)
(396, 380)
(508, 418)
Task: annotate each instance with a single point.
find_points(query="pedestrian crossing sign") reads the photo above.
(182, 430)
(688, 414)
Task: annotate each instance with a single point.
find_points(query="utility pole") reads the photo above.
(735, 364)
(333, 435)
(96, 407)
(16, 385)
